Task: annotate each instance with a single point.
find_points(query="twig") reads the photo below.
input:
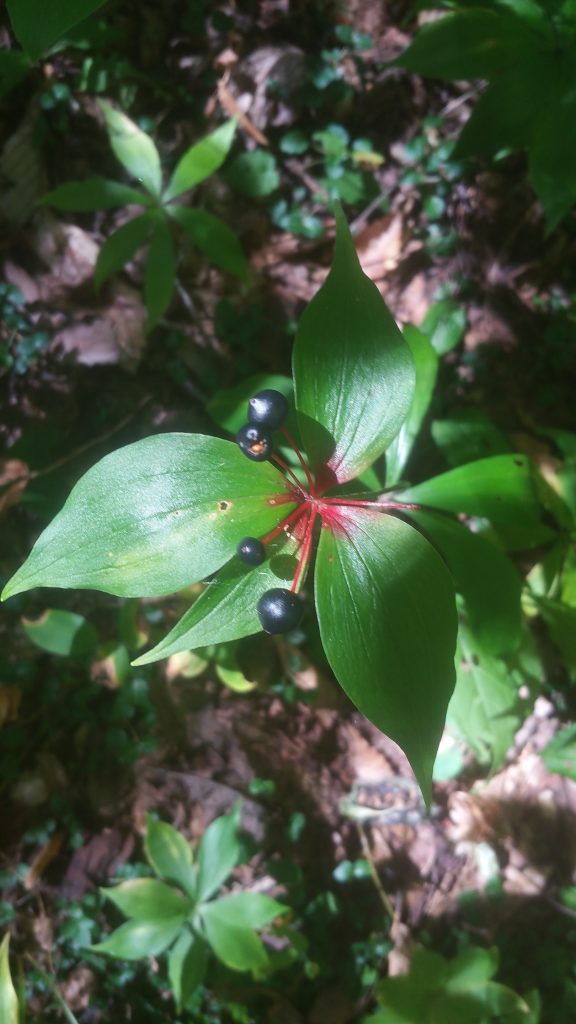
(375, 877)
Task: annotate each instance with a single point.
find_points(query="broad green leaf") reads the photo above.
(560, 754)
(238, 948)
(136, 939)
(134, 148)
(155, 516)
(201, 160)
(170, 854)
(146, 899)
(254, 174)
(484, 707)
(121, 246)
(245, 910)
(8, 998)
(160, 273)
(444, 324)
(353, 371)
(94, 194)
(471, 44)
(14, 66)
(60, 632)
(468, 435)
(426, 367)
(561, 621)
(502, 489)
(226, 610)
(387, 615)
(218, 853)
(472, 967)
(213, 237)
(187, 962)
(37, 25)
(488, 581)
(552, 157)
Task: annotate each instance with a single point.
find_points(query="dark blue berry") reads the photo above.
(279, 610)
(268, 409)
(251, 551)
(255, 442)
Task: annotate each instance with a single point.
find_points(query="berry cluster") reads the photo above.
(278, 609)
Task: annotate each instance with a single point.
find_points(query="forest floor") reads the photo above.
(334, 825)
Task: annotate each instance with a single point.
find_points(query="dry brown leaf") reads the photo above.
(43, 858)
(14, 476)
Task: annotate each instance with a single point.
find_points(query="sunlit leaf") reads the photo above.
(426, 367)
(146, 899)
(134, 148)
(387, 615)
(154, 516)
(136, 939)
(8, 998)
(170, 854)
(246, 909)
(201, 160)
(61, 632)
(353, 371)
(218, 853)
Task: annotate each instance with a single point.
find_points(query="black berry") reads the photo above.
(268, 409)
(279, 610)
(251, 551)
(255, 442)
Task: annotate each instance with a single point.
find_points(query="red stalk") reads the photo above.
(284, 465)
(371, 504)
(306, 547)
(295, 514)
(293, 445)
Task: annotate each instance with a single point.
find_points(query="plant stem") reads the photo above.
(284, 465)
(293, 445)
(306, 548)
(371, 504)
(285, 522)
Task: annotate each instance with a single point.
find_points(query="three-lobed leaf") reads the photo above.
(155, 516)
(386, 609)
(353, 371)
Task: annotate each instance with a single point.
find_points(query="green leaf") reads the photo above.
(486, 578)
(134, 149)
(467, 435)
(237, 948)
(14, 66)
(187, 962)
(8, 998)
(213, 237)
(444, 324)
(155, 516)
(245, 910)
(226, 610)
(387, 615)
(560, 754)
(471, 44)
(218, 853)
(160, 273)
(37, 25)
(561, 621)
(136, 939)
(170, 854)
(63, 633)
(254, 174)
(426, 367)
(145, 899)
(484, 707)
(552, 156)
(353, 371)
(94, 194)
(121, 247)
(201, 160)
(502, 489)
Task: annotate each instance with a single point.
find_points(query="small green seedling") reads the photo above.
(171, 510)
(153, 227)
(176, 913)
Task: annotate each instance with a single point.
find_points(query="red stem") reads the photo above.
(284, 465)
(306, 546)
(285, 522)
(371, 504)
(293, 445)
